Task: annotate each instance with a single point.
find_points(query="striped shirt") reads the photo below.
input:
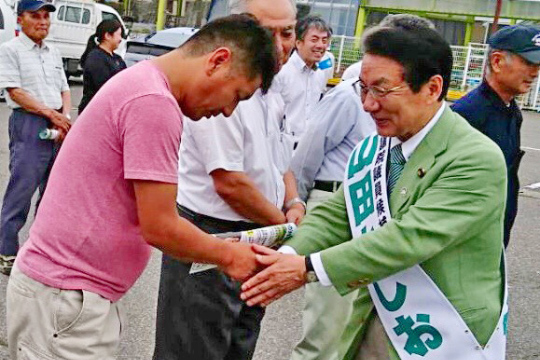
(37, 70)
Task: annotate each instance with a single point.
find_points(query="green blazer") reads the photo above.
(447, 212)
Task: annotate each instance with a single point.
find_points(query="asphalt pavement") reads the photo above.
(282, 324)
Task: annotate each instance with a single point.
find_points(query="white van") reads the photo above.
(8, 22)
(8, 26)
(71, 26)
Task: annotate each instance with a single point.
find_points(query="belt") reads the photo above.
(19, 109)
(197, 218)
(330, 186)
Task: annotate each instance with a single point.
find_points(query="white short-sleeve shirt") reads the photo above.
(243, 142)
(37, 70)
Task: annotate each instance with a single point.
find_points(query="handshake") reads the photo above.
(266, 274)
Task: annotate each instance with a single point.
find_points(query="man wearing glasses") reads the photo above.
(339, 122)
(417, 224)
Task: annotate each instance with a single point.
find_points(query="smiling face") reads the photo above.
(313, 46)
(400, 113)
(35, 24)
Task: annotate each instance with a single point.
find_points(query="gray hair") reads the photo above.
(241, 6)
(310, 22)
(406, 21)
(508, 55)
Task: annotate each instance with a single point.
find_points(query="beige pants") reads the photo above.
(325, 314)
(374, 346)
(46, 323)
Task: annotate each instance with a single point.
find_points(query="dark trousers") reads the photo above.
(30, 163)
(201, 316)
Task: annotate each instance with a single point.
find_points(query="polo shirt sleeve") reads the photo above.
(150, 138)
(220, 141)
(10, 76)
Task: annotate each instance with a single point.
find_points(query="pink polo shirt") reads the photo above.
(86, 234)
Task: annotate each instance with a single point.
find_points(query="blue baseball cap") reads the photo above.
(34, 5)
(523, 40)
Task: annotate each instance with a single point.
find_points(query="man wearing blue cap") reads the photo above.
(514, 61)
(38, 92)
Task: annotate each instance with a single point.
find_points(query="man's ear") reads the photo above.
(496, 60)
(217, 59)
(434, 88)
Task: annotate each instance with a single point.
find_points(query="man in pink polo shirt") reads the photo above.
(111, 194)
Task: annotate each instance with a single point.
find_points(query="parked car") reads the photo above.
(155, 44)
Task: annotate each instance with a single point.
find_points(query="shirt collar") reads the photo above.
(411, 144)
(494, 97)
(29, 43)
(299, 63)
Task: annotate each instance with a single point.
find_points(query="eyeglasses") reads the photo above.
(376, 91)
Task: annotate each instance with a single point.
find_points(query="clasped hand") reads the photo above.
(266, 274)
(281, 274)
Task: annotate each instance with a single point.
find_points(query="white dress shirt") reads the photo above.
(352, 72)
(244, 142)
(338, 123)
(301, 88)
(407, 148)
(277, 128)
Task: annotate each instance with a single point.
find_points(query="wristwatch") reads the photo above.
(311, 276)
(294, 201)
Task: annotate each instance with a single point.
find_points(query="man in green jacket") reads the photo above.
(423, 243)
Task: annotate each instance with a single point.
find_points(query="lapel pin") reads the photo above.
(403, 191)
(421, 172)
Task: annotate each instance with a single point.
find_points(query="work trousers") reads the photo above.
(30, 162)
(325, 313)
(200, 316)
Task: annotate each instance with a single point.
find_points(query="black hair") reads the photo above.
(109, 26)
(422, 52)
(311, 21)
(252, 46)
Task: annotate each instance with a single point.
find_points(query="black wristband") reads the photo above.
(309, 265)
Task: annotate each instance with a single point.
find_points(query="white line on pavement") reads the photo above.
(533, 186)
(530, 148)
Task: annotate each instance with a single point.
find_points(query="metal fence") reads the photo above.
(467, 71)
